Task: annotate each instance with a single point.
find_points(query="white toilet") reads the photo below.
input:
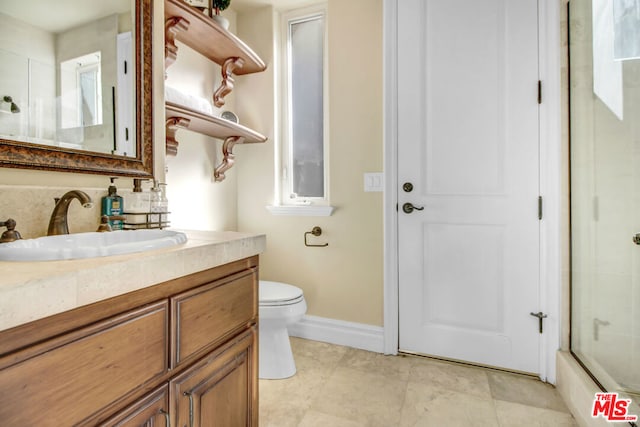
(280, 305)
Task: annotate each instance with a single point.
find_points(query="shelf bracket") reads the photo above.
(172, 27)
(229, 66)
(228, 158)
(172, 125)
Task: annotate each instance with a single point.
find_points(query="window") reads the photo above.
(81, 91)
(304, 147)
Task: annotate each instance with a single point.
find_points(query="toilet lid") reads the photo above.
(276, 293)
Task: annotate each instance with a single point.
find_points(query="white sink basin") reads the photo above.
(89, 245)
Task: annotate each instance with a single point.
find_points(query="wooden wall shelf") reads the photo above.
(215, 127)
(202, 34)
(180, 117)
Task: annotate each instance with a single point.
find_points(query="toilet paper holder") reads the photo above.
(316, 231)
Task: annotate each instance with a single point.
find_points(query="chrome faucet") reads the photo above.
(58, 222)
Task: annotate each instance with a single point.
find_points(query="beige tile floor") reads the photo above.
(338, 386)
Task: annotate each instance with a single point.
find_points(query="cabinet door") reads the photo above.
(77, 376)
(150, 411)
(221, 390)
(209, 315)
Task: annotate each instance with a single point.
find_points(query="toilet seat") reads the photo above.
(278, 294)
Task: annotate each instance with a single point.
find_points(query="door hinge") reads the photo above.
(125, 67)
(540, 207)
(539, 92)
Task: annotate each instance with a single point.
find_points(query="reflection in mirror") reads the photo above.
(76, 86)
(71, 77)
(81, 91)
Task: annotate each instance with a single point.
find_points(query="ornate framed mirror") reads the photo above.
(76, 92)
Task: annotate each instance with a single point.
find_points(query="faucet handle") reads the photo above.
(11, 234)
(104, 224)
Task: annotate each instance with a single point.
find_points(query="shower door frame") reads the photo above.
(551, 171)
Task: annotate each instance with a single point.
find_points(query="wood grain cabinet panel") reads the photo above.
(188, 350)
(150, 411)
(79, 374)
(207, 315)
(221, 390)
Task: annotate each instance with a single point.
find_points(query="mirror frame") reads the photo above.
(17, 154)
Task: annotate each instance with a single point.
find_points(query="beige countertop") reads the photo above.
(34, 290)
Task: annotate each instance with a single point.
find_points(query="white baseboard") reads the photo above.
(350, 334)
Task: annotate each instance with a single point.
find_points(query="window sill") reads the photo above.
(301, 210)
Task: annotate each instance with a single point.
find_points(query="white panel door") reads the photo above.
(468, 143)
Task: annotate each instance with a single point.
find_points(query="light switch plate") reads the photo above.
(373, 182)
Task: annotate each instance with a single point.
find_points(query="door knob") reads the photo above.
(409, 207)
(636, 239)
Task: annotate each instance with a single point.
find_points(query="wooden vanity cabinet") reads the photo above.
(180, 353)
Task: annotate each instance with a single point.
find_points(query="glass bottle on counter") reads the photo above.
(159, 204)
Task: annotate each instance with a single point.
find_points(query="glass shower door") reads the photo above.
(605, 191)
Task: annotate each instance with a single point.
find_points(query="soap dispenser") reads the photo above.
(112, 205)
(138, 203)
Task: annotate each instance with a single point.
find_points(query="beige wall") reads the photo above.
(335, 279)
(195, 200)
(344, 280)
